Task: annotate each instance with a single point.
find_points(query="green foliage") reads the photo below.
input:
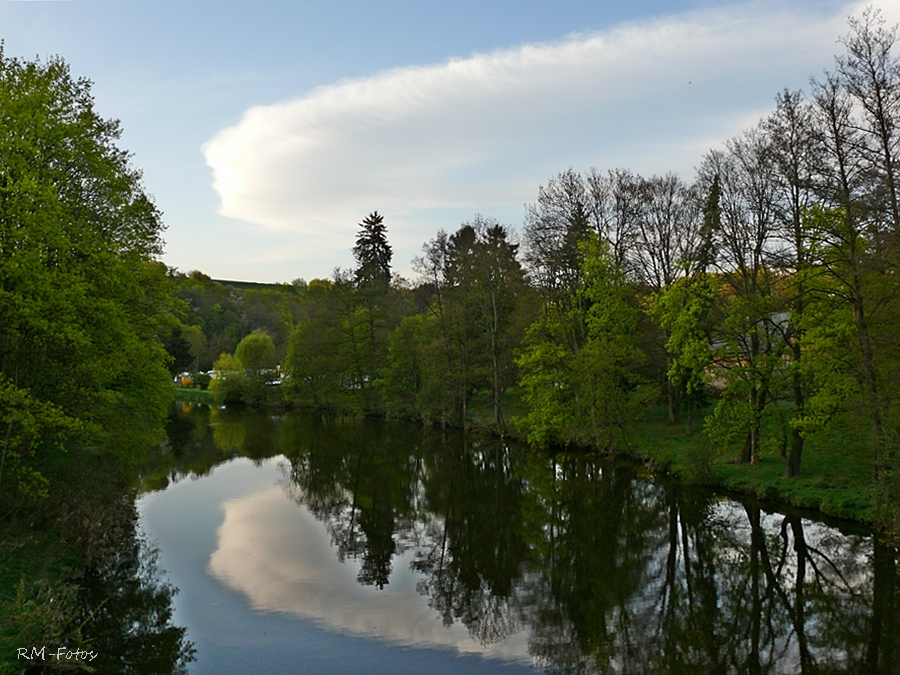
(323, 363)
(221, 313)
(684, 309)
(243, 376)
(729, 420)
(229, 384)
(404, 378)
(256, 351)
(581, 395)
(83, 307)
(31, 425)
(547, 376)
(476, 307)
(201, 380)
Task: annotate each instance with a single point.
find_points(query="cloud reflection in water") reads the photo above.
(281, 559)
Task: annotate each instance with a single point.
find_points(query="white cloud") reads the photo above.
(424, 144)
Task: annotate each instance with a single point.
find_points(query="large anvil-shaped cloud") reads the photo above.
(480, 133)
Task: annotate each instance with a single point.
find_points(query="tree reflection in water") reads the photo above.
(128, 616)
(473, 549)
(604, 571)
(359, 479)
(115, 603)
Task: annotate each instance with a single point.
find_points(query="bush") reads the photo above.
(229, 384)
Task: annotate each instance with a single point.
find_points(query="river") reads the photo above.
(304, 544)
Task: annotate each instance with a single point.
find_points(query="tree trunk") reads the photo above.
(792, 465)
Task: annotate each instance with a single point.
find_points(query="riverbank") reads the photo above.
(192, 395)
(836, 472)
(34, 595)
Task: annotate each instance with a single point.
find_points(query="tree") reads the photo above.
(668, 222)
(256, 353)
(322, 359)
(373, 284)
(229, 383)
(373, 254)
(856, 228)
(83, 306)
(795, 155)
(485, 284)
(750, 337)
(668, 225)
(580, 396)
(475, 296)
(870, 72)
(554, 226)
(684, 311)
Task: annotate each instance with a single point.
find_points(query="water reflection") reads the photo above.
(290, 567)
(570, 562)
(115, 604)
(128, 614)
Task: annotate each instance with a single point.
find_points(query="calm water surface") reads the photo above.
(309, 545)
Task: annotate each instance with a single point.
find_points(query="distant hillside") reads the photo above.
(251, 285)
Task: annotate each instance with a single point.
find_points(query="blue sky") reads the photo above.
(266, 131)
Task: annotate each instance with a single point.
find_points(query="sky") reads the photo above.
(267, 131)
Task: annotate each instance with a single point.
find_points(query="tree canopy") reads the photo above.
(83, 303)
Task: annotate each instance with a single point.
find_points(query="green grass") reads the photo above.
(188, 395)
(836, 468)
(481, 409)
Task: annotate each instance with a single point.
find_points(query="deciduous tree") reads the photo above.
(83, 306)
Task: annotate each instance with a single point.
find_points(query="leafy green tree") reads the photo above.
(475, 297)
(83, 306)
(684, 310)
(750, 338)
(851, 330)
(229, 383)
(487, 284)
(256, 352)
(324, 365)
(581, 396)
(404, 378)
(447, 334)
(612, 352)
(548, 379)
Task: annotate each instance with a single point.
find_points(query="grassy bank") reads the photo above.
(836, 471)
(188, 395)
